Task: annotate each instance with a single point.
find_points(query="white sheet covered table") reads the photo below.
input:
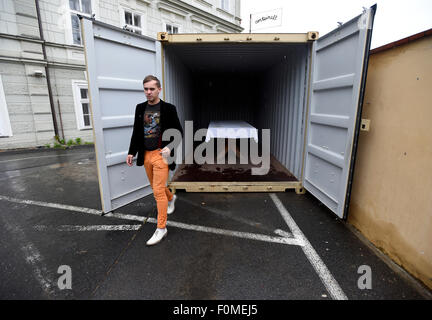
(231, 129)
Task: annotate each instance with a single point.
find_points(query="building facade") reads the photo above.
(43, 86)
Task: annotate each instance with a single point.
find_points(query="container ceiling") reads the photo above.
(232, 57)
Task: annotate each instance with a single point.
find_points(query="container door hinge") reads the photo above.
(365, 125)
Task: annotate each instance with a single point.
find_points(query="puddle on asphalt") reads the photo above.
(10, 174)
(83, 170)
(57, 165)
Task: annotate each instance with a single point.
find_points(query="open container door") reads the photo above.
(339, 66)
(117, 62)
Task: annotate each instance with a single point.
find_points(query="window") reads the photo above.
(82, 107)
(171, 29)
(82, 7)
(132, 22)
(225, 5)
(5, 126)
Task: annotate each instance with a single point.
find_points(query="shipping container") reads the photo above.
(307, 89)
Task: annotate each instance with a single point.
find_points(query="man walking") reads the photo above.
(152, 118)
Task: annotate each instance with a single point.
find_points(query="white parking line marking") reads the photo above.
(283, 233)
(245, 235)
(32, 257)
(238, 234)
(326, 277)
(52, 205)
(124, 227)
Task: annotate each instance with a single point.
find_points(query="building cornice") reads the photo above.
(18, 37)
(65, 46)
(36, 40)
(23, 60)
(26, 15)
(172, 9)
(202, 21)
(148, 2)
(206, 3)
(202, 13)
(222, 29)
(43, 63)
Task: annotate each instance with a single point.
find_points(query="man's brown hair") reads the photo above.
(150, 78)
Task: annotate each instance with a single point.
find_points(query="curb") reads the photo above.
(42, 149)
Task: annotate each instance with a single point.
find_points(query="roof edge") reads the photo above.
(403, 41)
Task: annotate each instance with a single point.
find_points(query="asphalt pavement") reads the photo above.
(263, 246)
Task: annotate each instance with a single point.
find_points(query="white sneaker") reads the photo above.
(157, 236)
(171, 206)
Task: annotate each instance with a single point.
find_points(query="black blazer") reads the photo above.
(168, 119)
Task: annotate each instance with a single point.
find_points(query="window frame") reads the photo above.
(173, 25)
(72, 12)
(127, 26)
(4, 114)
(225, 5)
(77, 85)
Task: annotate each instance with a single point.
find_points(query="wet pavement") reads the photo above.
(219, 245)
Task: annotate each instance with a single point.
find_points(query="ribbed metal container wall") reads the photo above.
(284, 109)
(178, 86)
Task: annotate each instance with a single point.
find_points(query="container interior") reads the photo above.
(263, 84)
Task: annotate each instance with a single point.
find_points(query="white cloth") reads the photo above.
(231, 129)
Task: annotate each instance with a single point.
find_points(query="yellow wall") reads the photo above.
(391, 202)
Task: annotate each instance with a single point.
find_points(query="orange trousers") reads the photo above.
(157, 172)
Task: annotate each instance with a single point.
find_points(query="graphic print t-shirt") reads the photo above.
(152, 126)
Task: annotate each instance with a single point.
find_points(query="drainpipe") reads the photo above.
(61, 121)
(53, 113)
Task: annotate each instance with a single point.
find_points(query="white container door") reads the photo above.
(339, 65)
(117, 62)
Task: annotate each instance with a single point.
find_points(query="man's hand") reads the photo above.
(129, 160)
